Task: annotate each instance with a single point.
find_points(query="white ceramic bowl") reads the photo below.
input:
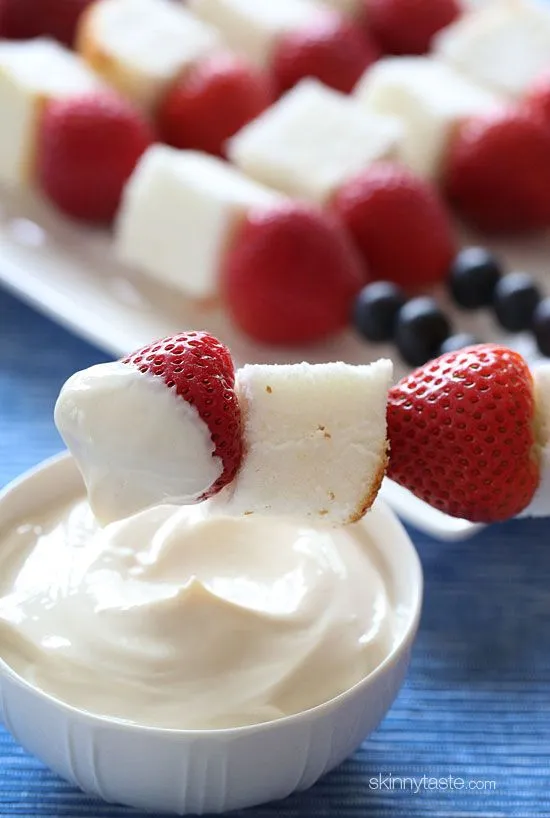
(185, 771)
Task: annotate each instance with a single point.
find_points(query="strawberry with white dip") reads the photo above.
(161, 426)
(172, 423)
(164, 426)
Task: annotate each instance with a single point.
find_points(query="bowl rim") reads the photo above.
(64, 461)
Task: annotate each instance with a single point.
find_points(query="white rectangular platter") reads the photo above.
(68, 272)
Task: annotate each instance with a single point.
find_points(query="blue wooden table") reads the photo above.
(475, 709)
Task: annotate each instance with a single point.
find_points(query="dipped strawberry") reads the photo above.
(290, 276)
(497, 172)
(87, 148)
(409, 26)
(212, 101)
(161, 426)
(334, 50)
(463, 435)
(399, 224)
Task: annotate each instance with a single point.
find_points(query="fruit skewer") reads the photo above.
(469, 433)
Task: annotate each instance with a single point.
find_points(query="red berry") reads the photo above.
(200, 370)
(290, 275)
(408, 26)
(213, 101)
(462, 434)
(24, 19)
(399, 224)
(87, 148)
(537, 99)
(334, 50)
(497, 172)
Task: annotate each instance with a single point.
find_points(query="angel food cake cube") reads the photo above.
(429, 98)
(315, 440)
(141, 46)
(503, 46)
(312, 141)
(179, 211)
(253, 27)
(540, 504)
(32, 73)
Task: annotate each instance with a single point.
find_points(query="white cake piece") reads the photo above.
(32, 73)
(429, 98)
(503, 46)
(253, 27)
(315, 441)
(313, 140)
(164, 455)
(540, 505)
(179, 211)
(141, 46)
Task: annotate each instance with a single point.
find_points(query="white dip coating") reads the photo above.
(177, 619)
(136, 442)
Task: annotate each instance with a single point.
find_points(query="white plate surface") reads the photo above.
(68, 272)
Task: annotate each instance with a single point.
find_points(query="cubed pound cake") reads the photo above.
(179, 212)
(429, 99)
(253, 27)
(312, 141)
(315, 441)
(141, 46)
(503, 46)
(540, 504)
(33, 72)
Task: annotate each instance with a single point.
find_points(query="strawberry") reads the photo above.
(290, 275)
(23, 19)
(212, 102)
(462, 433)
(497, 172)
(408, 26)
(399, 224)
(87, 148)
(200, 370)
(334, 50)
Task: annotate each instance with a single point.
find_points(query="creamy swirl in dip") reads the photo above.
(178, 618)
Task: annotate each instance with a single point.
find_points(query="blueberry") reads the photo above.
(473, 277)
(376, 308)
(516, 297)
(541, 326)
(455, 342)
(420, 330)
